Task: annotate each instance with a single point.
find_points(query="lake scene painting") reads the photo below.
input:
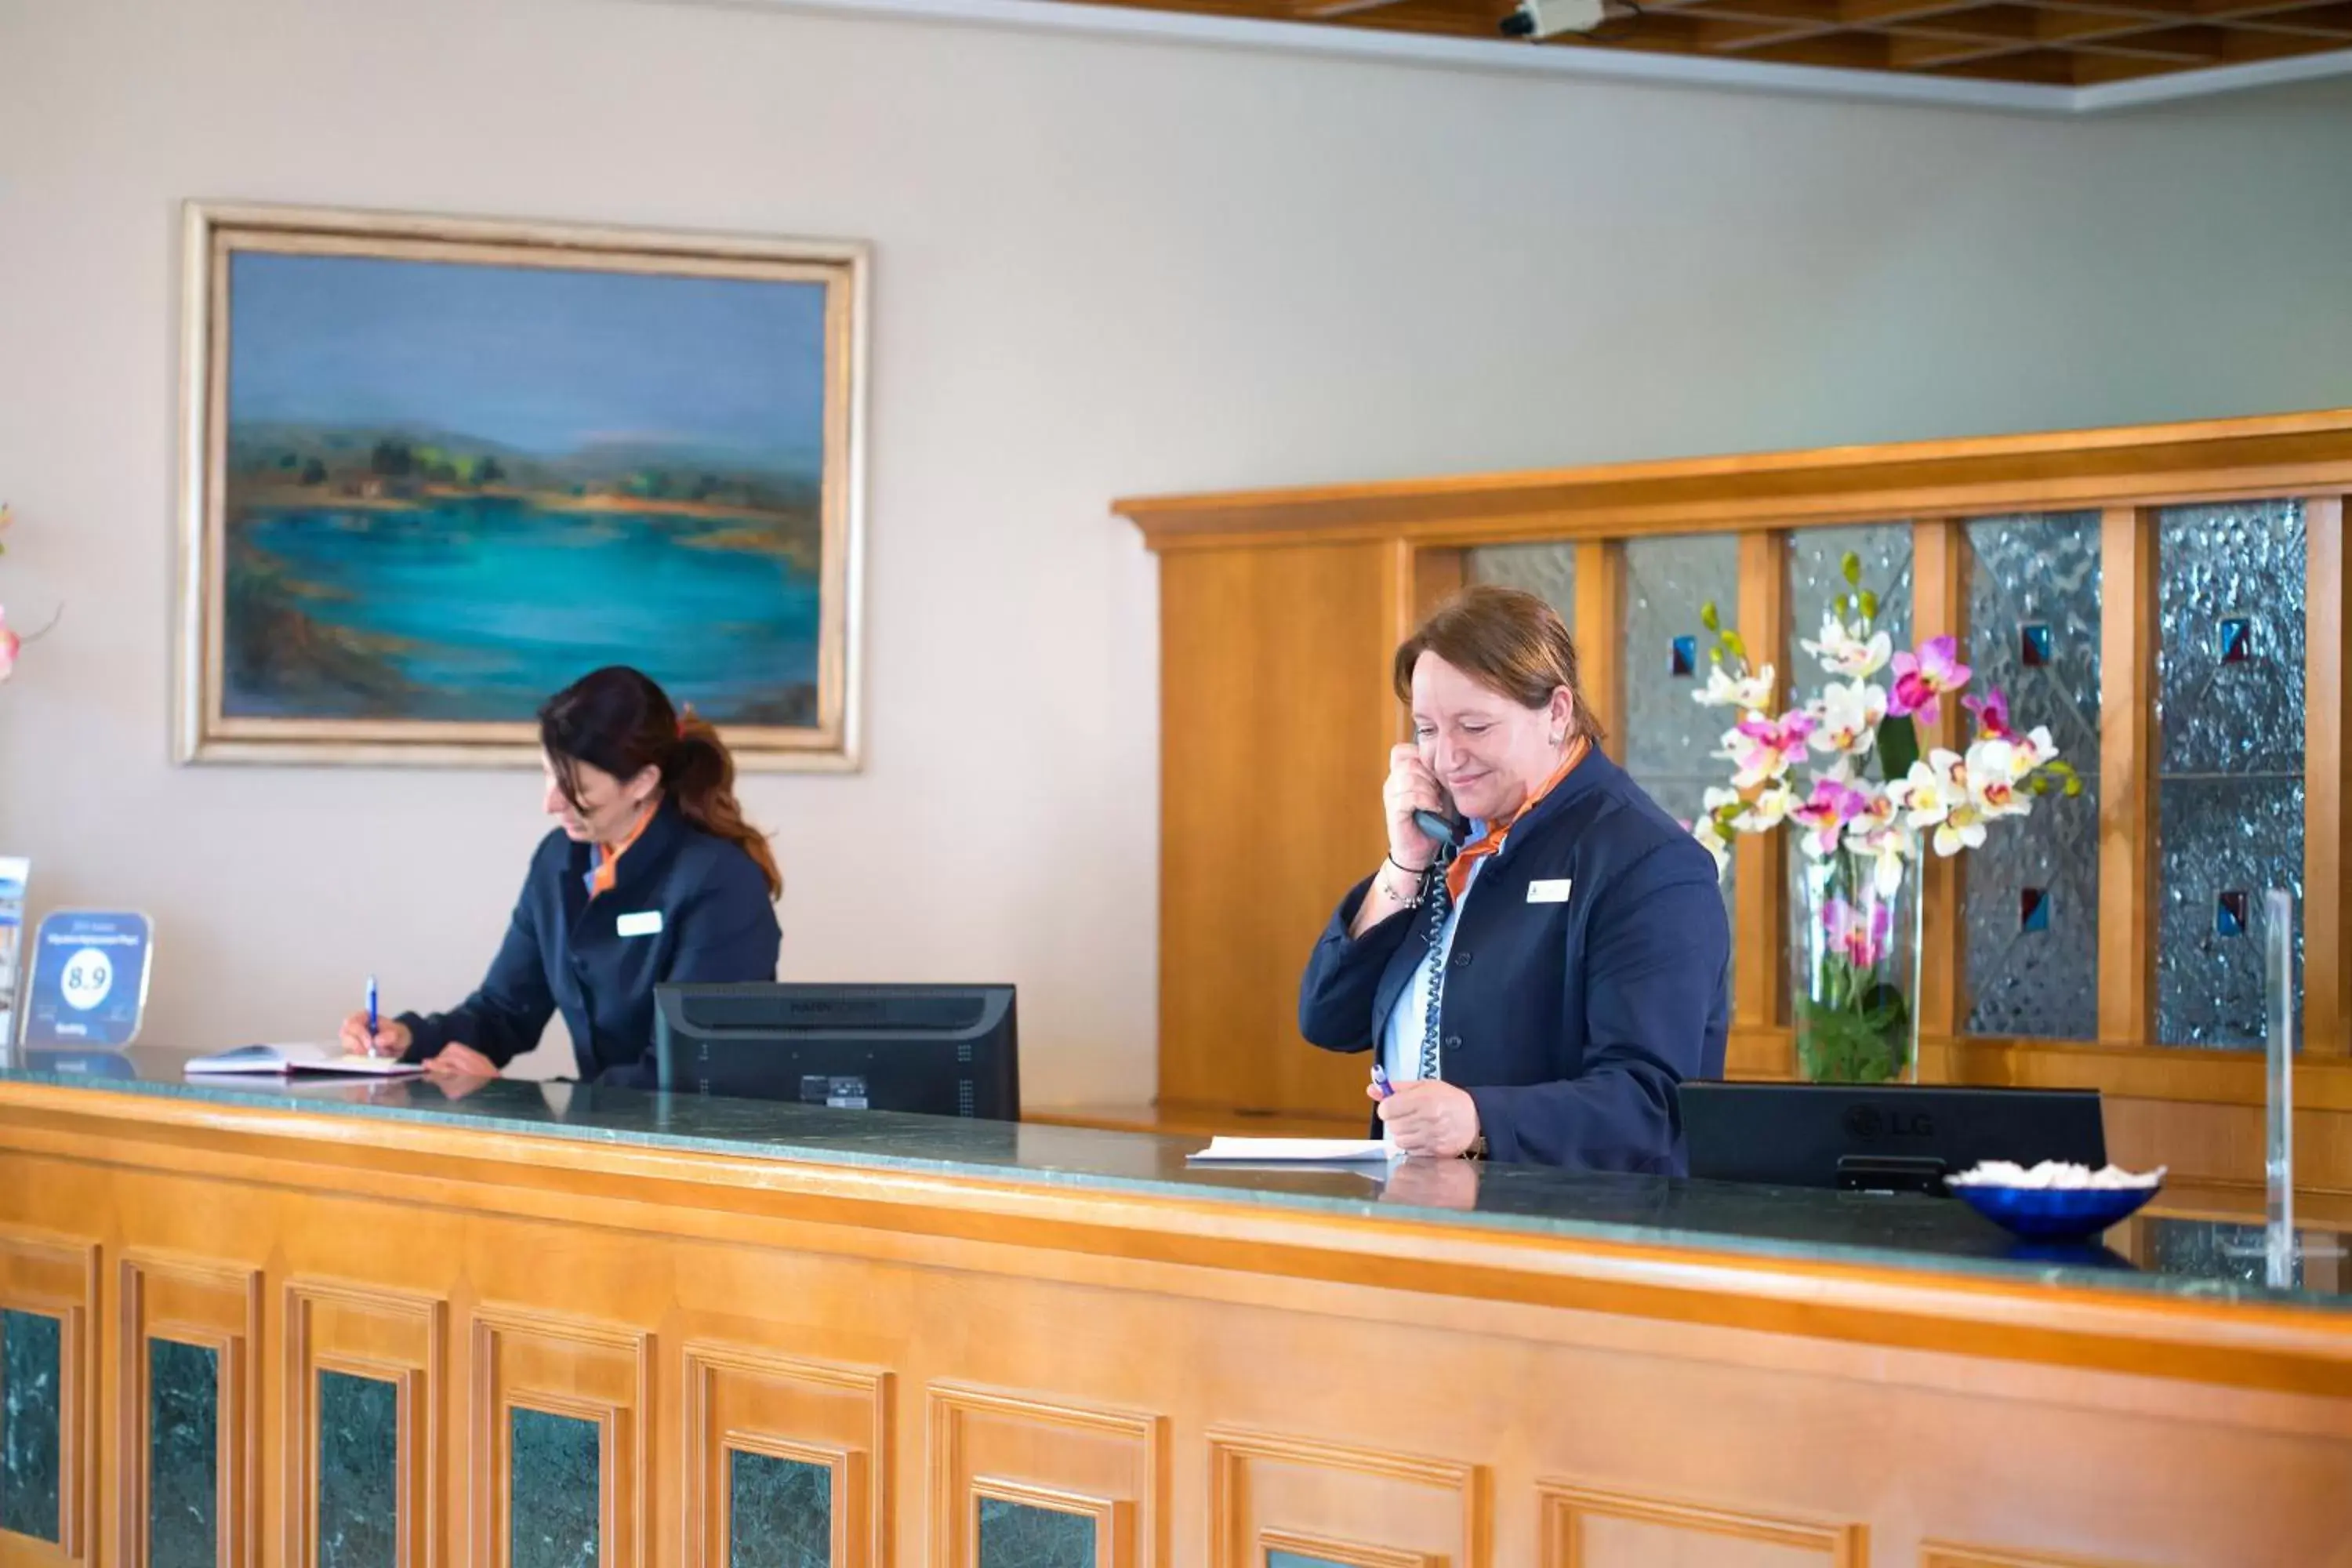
(449, 488)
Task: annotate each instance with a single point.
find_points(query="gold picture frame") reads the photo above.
(434, 468)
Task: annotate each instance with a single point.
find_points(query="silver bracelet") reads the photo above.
(1396, 898)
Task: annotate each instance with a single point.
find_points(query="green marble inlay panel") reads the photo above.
(554, 1476)
(778, 1513)
(1275, 1559)
(1022, 1535)
(183, 1455)
(359, 1471)
(32, 1375)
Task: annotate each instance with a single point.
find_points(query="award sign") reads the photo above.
(14, 871)
(88, 978)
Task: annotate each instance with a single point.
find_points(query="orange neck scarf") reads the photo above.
(608, 867)
(1457, 874)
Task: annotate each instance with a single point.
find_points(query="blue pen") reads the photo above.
(370, 1015)
(1381, 1088)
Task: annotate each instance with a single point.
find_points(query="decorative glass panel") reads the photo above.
(183, 1455)
(359, 1471)
(780, 1513)
(1816, 558)
(1020, 1536)
(1276, 1558)
(32, 1369)
(1815, 555)
(1547, 571)
(2229, 669)
(1668, 736)
(555, 1482)
(2216, 836)
(2031, 894)
(2209, 1249)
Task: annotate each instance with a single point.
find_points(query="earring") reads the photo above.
(1555, 737)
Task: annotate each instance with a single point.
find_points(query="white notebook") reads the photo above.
(298, 1058)
(1299, 1151)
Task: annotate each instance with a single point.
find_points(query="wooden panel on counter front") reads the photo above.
(1277, 721)
(55, 1277)
(1204, 1377)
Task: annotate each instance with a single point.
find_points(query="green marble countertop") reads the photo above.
(2205, 1259)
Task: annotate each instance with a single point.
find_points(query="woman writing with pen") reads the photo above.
(652, 876)
(1535, 982)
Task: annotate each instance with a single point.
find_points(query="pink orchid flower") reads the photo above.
(9, 644)
(1824, 814)
(1991, 712)
(1921, 678)
(1766, 748)
(1856, 936)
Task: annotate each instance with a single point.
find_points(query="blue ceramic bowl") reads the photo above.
(2054, 1213)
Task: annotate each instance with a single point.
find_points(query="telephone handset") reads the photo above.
(1450, 832)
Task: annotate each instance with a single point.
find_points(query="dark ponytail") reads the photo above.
(618, 720)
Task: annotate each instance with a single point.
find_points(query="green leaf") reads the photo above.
(1852, 567)
(1708, 618)
(1739, 648)
(1898, 746)
(1869, 605)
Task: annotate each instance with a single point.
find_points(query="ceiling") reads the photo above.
(2062, 43)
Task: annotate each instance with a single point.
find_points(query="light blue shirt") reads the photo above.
(1401, 1036)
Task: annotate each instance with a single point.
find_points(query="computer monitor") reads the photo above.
(1880, 1137)
(939, 1050)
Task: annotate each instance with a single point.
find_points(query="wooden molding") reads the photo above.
(1111, 1465)
(1566, 1507)
(217, 1306)
(1346, 1553)
(1444, 1499)
(1941, 1554)
(1600, 636)
(57, 1277)
(2129, 746)
(2152, 465)
(788, 1408)
(392, 1336)
(2327, 768)
(1760, 861)
(593, 1372)
(1939, 561)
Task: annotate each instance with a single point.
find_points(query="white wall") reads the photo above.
(1102, 268)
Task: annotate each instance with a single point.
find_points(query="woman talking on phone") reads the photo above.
(1540, 959)
(651, 875)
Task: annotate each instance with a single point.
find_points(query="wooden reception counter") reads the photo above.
(367, 1324)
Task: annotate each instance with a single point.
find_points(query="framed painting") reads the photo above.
(436, 469)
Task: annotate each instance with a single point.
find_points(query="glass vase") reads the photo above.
(1854, 952)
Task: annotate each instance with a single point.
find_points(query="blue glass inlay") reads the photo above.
(183, 1455)
(32, 1376)
(2237, 640)
(2034, 909)
(2033, 645)
(1682, 661)
(2230, 913)
(555, 1479)
(1276, 1558)
(778, 1513)
(359, 1471)
(1020, 1535)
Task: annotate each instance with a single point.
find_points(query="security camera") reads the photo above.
(1545, 19)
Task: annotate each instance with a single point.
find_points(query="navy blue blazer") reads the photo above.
(708, 902)
(1571, 1023)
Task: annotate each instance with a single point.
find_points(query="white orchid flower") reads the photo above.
(1751, 693)
(1842, 653)
(1848, 717)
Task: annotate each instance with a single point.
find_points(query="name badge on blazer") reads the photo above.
(1551, 892)
(645, 922)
